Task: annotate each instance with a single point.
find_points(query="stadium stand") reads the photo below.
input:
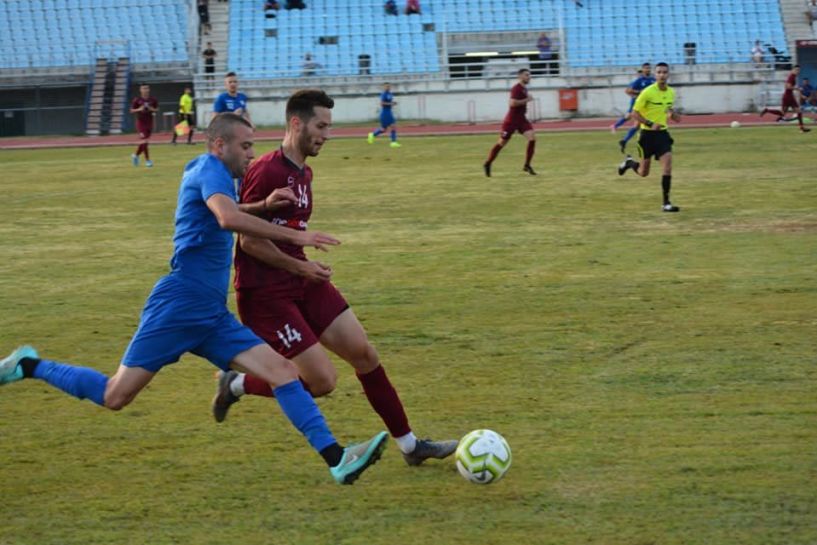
(80, 31)
(338, 34)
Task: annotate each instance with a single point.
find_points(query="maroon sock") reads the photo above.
(139, 150)
(385, 401)
(529, 152)
(778, 113)
(494, 152)
(800, 120)
(147, 155)
(254, 386)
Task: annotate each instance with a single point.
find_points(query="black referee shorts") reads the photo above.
(654, 143)
(191, 120)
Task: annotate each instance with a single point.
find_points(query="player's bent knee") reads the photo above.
(323, 384)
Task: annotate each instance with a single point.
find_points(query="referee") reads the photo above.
(652, 108)
(186, 114)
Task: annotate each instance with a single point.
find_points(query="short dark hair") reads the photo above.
(223, 126)
(645, 64)
(230, 75)
(522, 70)
(795, 66)
(302, 103)
(662, 64)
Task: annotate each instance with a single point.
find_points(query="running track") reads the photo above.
(595, 124)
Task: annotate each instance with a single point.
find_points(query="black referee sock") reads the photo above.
(332, 454)
(28, 365)
(666, 183)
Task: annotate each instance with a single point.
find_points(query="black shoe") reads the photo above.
(529, 170)
(622, 144)
(805, 129)
(670, 208)
(426, 448)
(625, 164)
(487, 168)
(224, 396)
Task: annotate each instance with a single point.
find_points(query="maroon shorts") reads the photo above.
(789, 102)
(291, 325)
(510, 126)
(144, 129)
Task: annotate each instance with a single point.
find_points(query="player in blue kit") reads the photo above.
(231, 100)
(387, 122)
(187, 309)
(643, 81)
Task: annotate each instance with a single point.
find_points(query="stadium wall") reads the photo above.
(453, 105)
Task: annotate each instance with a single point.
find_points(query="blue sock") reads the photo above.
(81, 382)
(630, 133)
(393, 135)
(378, 132)
(620, 122)
(304, 414)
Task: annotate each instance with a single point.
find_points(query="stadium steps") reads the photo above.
(795, 22)
(220, 26)
(119, 102)
(105, 113)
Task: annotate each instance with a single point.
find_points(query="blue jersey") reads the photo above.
(641, 83)
(386, 96)
(203, 251)
(225, 102)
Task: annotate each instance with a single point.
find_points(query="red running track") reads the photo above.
(594, 124)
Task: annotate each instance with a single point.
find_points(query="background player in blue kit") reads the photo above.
(231, 100)
(387, 121)
(187, 309)
(643, 81)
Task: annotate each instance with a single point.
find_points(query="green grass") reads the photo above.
(654, 374)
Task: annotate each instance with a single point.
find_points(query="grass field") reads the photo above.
(653, 373)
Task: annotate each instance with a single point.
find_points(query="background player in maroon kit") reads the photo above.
(144, 106)
(789, 100)
(515, 120)
(290, 302)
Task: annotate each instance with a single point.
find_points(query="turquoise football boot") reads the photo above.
(356, 458)
(10, 370)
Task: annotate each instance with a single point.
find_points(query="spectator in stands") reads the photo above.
(412, 6)
(544, 46)
(391, 7)
(270, 7)
(294, 4)
(811, 12)
(808, 96)
(209, 55)
(231, 100)
(204, 16)
(310, 66)
(758, 54)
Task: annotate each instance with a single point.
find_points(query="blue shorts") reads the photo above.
(386, 119)
(178, 318)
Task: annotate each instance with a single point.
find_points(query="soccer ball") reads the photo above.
(483, 456)
(735, 124)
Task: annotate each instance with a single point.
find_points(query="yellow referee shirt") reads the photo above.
(653, 104)
(186, 104)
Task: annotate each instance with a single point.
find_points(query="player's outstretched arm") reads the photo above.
(268, 253)
(231, 218)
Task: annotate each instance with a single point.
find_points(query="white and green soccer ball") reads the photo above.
(483, 456)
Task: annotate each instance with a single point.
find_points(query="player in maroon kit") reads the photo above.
(144, 106)
(515, 120)
(290, 301)
(789, 100)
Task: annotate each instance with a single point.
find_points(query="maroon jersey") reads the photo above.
(144, 117)
(517, 113)
(270, 172)
(790, 81)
